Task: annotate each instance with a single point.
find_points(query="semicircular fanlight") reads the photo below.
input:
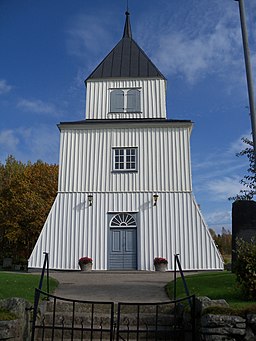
(123, 220)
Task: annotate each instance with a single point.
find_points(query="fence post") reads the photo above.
(183, 279)
(47, 271)
(193, 317)
(36, 301)
(45, 265)
(175, 278)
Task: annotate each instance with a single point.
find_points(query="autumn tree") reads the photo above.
(223, 241)
(27, 192)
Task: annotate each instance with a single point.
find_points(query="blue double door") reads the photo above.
(123, 248)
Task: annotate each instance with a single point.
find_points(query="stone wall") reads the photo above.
(19, 329)
(212, 327)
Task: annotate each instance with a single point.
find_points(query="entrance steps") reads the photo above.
(62, 320)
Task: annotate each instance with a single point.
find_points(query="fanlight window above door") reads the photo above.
(123, 220)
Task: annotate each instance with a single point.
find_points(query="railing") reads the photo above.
(40, 285)
(189, 298)
(177, 263)
(90, 320)
(66, 319)
(45, 266)
(154, 321)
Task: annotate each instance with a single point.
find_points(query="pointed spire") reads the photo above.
(126, 59)
(127, 26)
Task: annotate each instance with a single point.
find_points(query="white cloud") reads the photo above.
(8, 141)
(4, 87)
(207, 53)
(219, 219)
(239, 145)
(30, 144)
(90, 39)
(221, 189)
(43, 143)
(194, 40)
(218, 176)
(37, 106)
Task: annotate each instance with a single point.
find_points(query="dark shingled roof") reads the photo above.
(125, 121)
(126, 59)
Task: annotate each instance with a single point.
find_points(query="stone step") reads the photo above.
(102, 321)
(67, 318)
(146, 334)
(63, 306)
(60, 334)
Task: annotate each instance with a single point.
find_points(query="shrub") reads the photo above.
(245, 267)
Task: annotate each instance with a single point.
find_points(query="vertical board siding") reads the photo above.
(153, 98)
(74, 229)
(86, 160)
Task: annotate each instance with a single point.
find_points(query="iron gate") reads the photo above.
(58, 318)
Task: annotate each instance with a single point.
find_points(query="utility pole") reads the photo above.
(248, 74)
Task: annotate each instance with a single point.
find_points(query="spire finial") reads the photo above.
(127, 26)
(127, 6)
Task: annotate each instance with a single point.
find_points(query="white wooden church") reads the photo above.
(125, 188)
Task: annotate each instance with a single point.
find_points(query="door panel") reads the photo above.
(123, 248)
(116, 241)
(130, 242)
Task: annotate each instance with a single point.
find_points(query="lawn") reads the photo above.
(22, 285)
(215, 285)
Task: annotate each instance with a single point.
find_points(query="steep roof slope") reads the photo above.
(126, 59)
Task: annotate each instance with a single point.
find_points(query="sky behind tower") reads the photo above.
(48, 48)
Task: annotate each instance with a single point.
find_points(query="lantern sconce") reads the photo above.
(90, 199)
(155, 198)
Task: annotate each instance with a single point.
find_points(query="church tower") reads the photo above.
(125, 187)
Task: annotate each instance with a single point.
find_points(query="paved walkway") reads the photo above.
(116, 286)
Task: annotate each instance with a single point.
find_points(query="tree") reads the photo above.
(249, 180)
(223, 241)
(245, 266)
(27, 192)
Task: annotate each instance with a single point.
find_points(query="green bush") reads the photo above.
(245, 267)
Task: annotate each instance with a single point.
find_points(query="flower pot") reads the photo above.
(161, 267)
(86, 267)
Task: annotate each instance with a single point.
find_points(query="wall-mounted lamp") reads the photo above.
(155, 198)
(90, 199)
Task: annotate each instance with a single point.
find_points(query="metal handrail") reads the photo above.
(45, 266)
(37, 291)
(177, 262)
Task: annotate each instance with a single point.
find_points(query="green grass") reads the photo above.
(215, 285)
(22, 285)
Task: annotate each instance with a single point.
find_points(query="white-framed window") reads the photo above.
(125, 159)
(125, 100)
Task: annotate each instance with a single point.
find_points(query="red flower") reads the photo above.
(85, 260)
(159, 260)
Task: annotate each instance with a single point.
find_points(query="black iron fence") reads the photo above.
(64, 319)
(58, 318)
(155, 321)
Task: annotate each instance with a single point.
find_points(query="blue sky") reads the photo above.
(49, 47)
